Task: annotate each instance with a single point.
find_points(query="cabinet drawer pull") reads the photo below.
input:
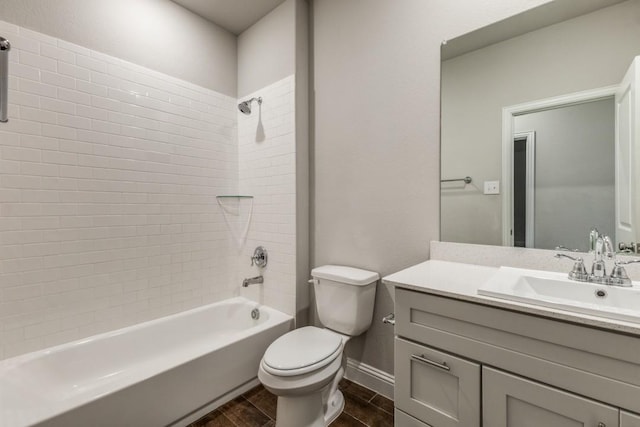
(602, 425)
(423, 359)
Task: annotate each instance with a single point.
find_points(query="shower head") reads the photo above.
(245, 107)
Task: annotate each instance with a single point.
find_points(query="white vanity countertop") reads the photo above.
(461, 281)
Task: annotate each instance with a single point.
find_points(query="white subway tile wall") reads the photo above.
(108, 178)
(266, 140)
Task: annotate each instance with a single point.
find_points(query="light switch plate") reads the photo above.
(492, 187)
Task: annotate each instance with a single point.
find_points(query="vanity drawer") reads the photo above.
(436, 387)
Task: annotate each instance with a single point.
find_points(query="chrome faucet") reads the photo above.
(252, 281)
(602, 247)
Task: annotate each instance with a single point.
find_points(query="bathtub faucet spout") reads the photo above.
(252, 280)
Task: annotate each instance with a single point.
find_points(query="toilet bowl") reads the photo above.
(304, 367)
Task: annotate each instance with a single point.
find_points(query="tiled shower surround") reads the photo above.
(109, 174)
(266, 143)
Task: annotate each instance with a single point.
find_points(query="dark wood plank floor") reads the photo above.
(257, 408)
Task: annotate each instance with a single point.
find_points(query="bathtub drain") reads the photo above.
(255, 314)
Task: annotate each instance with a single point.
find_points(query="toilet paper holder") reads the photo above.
(389, 319)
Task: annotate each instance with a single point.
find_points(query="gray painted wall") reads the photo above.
(375, 111)
(575, 172)
(267, 50)
(302, 161)
(156, 34)
(584, 53)
(375, 136)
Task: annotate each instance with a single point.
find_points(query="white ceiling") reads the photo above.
(232, 15)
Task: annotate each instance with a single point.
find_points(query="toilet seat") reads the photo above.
(302, 351)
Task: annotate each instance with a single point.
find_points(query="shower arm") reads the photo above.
(5, 47)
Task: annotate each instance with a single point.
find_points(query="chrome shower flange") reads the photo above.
(260, 257)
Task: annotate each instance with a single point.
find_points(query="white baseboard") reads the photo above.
(372, 378)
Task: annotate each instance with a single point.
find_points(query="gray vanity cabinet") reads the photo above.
(509, 400)
(461, 363)
(436, 387)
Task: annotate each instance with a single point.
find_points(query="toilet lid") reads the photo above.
(307, 347)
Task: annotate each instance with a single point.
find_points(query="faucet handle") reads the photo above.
(628, 248)
(574, 258)
(564, 248)
(578, 272)
(619, 276)
(630, 261)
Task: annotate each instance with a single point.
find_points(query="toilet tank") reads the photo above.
(345, 297)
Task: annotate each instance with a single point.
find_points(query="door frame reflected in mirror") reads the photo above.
(508, 133)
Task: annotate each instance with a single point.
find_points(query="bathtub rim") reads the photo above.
(21, 358)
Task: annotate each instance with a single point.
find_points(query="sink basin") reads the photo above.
(555, 290)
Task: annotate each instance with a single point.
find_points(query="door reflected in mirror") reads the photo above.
(562, 172)
(547, 115)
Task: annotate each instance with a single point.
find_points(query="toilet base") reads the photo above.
(300, 411)
(334, 407)
(309, 410)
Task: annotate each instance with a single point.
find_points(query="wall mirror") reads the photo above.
(538, 127)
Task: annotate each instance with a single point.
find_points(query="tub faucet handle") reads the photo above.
(260, 257)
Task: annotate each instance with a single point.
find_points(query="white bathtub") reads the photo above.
(163, 372)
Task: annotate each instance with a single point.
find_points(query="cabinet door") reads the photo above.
(435, 387)
(627, 419)
(403, 420)
(511, 401)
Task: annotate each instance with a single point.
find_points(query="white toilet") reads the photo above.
(303, 367)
